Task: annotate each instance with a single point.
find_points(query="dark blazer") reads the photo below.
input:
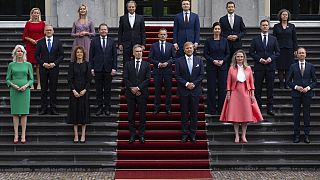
(308, 79)
(214, 51)
(186, 32)
(55, 56)
(103, 61)
(287, 38)
(131, 36)
(238, 29)
(258, 51)
(183, 76)
(156, 57)
(131, 79)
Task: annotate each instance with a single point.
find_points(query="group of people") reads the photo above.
(227, 71)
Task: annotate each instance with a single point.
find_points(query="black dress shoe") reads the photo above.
(168, 112)
(107, 113)
(184, 139)
(156, 112)
(142, 140)
(296, 140)
(270, 112)
(54, 112)
(99, 112)
(43, 112)
(306, 140)
(132, 139)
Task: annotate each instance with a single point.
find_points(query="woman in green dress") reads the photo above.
(19, 79)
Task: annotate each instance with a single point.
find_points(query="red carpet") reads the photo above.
(162, 156)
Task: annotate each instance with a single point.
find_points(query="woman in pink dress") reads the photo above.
(240, 106)
(33, 31)
(82, 31)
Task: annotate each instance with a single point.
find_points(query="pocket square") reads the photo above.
(197, 65)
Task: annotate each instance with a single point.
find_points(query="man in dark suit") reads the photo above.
(162, 56)
(233, 29)
(131, 31)
(189, 74)
(302, 80)
(137, 76)
(186, 28)
(103, 62)
(265, 51)
(49, 54)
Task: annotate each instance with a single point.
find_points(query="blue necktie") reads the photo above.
(49, 45)
(162, 48)
(190, 65)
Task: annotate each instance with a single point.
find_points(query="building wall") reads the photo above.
(63, 13)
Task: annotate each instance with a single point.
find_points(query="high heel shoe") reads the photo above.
(83, 140)
(236, 140)
(244, 140)
(15, 141)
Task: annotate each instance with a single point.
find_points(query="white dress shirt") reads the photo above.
(241, 76)
(101, 41)
(231, 19)
(131, 19)
(51, 40)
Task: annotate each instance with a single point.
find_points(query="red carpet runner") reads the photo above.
(162, 156)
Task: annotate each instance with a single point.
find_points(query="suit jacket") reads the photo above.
(183, 76)
(156, 57)
(103, 61)
(128, 36)
(238, 29)
(296, 79)
(186, 32)
(232, 78)
(55, 56)
(258, 51)
(131, 79)
(287, 38)
(214, 51)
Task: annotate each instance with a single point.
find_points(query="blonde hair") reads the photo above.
(86, 18)
(14, 55)
(234, 62)
(32, 10)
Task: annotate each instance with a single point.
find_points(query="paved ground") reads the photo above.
(218, 175)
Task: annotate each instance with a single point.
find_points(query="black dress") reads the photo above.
(79, 78)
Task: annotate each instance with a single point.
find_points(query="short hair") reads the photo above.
(35, 9)
(280, 13)
(245, 61)
(230, 2)
(135, 4)
(137, 46)
(86, 10)
(75, 53)
(14, 56)
(48, 25)
(103, 24)
(187, 44)
(186, 0)
(264, 20)
(215, 24)
(302, 48)
(163, 29)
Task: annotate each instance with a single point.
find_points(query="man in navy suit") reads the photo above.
(233, 28)
(136, 77)
(131, 31)
(49, 54)
(162, 56)
(186, 28)
(189, 74)
(103, 62)
(265, 51)
(302, 80)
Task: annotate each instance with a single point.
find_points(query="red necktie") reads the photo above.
(186, 19)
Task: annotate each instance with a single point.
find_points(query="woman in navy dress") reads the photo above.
(79, 78)
(216, 52)
(285, 33)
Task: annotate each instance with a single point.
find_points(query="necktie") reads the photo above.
(265, 41)
(231, 21)
(186, 19)
(103, 43)
(302, 68)
(137, 67)
(162, 48)
(49, 45)
(190, 65)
